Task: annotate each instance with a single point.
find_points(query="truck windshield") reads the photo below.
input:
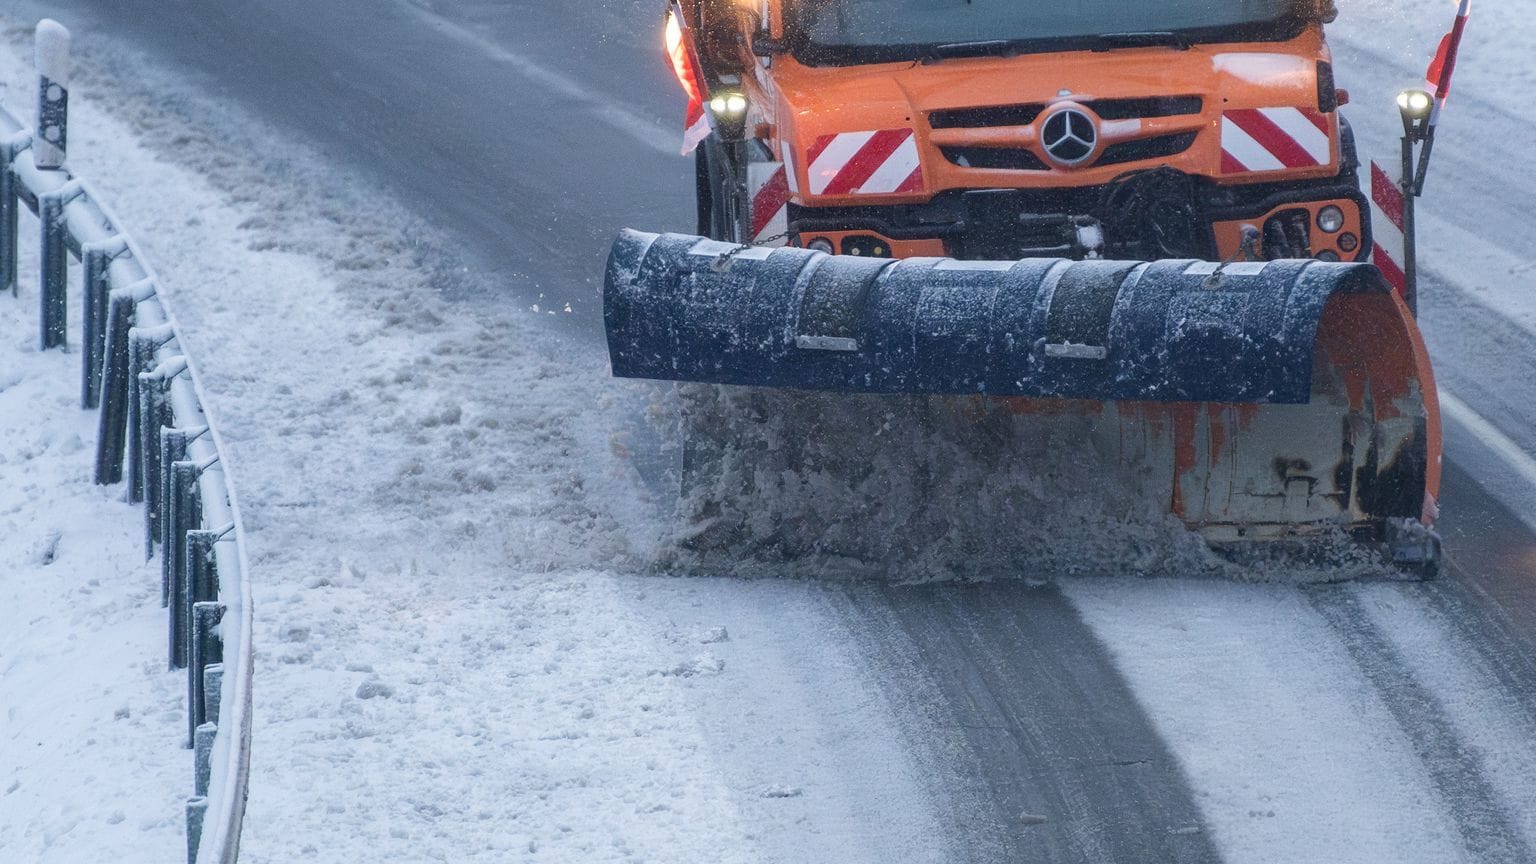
(864, 31)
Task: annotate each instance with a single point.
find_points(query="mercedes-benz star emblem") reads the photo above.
(1070, 136)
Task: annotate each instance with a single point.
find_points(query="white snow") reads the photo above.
(51, 51)
(457, 657)
(461, 653)
(1496, 728)
(91, 723)
(1293, 758)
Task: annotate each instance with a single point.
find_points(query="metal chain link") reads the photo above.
(723, 260)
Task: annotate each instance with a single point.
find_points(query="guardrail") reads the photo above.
(155, 432)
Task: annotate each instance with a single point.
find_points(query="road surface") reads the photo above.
(531, 132)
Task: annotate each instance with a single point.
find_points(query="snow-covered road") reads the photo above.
(464, 652)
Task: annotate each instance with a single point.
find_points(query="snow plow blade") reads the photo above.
(1273, 398)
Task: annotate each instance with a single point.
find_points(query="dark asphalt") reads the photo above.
(1039, 729)
(532, 131)
(458, 108)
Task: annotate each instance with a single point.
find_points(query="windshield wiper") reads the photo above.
(983, 48)
(1143, 39)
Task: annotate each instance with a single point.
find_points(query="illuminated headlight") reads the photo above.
(1415, 103)
(1330, 219)
(728, 105)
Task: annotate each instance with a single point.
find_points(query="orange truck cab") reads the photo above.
(996, 129)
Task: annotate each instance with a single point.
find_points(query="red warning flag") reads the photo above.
(1438, 79)
(686, 67)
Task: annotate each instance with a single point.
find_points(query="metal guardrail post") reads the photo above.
(207, 645)
(150, 418)
(213, 690)
(117, 391)
(172, 449)
(95, 258)
(149, 412)
(206, 649)
(183, 513)
(197, 808)
(54, 267)
(9, 208)
(199, 585)
(202, 750)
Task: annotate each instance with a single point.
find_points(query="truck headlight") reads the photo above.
(1330, 219)
(728, 106)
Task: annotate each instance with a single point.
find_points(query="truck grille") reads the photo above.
(1135, 109)
(1160, 147)
(1023, 115)
(1023, 159)
(996, 115)
(997, 158)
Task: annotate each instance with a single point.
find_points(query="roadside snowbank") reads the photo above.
(911, 489)
(91, 723)
(450, 664)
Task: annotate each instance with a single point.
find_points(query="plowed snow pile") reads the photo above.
(910, 487)
(921, 489)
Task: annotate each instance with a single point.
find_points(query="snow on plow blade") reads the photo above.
(1270, 398)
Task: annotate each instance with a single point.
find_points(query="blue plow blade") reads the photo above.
(684, 308)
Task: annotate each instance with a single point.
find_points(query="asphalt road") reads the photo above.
(532, 131)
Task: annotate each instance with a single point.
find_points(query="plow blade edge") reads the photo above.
(1271, 397)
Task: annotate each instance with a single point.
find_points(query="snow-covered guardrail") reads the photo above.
(155, 432)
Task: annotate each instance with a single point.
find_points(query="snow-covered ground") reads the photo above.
(462, 651)
(452, 666)
(91, 723)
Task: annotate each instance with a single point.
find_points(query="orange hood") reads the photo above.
(982, 122)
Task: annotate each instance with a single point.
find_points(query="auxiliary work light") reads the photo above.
(1415, 104)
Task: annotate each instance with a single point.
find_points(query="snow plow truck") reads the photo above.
(1144, 212)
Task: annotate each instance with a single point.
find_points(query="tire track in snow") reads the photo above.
(1506, 656)
(1290, 751)
(1486, 827)
(1069, 763)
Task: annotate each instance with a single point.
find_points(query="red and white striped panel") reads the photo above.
(1388, 253)
(769, 183)
(1274, 139)
(883, 162)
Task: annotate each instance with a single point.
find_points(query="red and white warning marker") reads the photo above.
(1389, 253)
(1438, 79)
(1274, 139)
(770, 184)
(1392, 202)
(686, 67)
(881, 162)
